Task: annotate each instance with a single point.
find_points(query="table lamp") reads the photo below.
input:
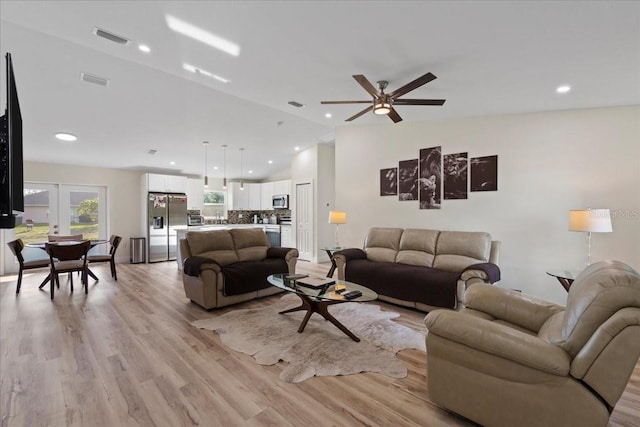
(591, 221)
(337, 217)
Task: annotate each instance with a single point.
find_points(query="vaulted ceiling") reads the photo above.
(490, 58)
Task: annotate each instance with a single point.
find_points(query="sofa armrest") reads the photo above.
(195, 264)
(512, 306)
(499, 340)
(487, 272)
(341, 258)
(284, 253)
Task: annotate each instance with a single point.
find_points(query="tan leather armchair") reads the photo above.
(510, 359)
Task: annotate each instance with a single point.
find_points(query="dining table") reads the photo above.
(43, 246)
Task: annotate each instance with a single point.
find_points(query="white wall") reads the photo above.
(548, 163)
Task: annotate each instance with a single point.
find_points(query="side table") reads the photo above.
(330, 252)
(565, 277)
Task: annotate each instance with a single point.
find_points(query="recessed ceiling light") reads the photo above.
(328, 115)
(197, 70)
(563, 89)
(66, 136)
(270, 161)
(250, 171)
(203, 36)
(215, 168)
(144, 48)
(172, 162)
(296, 148)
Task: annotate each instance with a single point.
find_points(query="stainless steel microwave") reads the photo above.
(280, 201)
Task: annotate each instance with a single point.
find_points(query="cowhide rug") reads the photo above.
(322, 349)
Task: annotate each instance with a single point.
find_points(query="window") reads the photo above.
(214, 205)
(214, 197)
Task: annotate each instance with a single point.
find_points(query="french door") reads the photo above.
(59, 209)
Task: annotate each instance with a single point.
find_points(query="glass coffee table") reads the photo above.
(317, 300)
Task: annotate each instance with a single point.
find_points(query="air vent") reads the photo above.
(296, 104)
(152, 152)
(96, 80)
(110, 36)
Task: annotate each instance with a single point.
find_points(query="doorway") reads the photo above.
(304, 221)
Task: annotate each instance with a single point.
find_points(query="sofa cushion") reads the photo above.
(251, 243)
(417, 247)
(456, 250)
(405, 282)
(214, 244)
(382, 244)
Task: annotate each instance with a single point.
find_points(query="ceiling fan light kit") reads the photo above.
(382, 108)
(382, 102)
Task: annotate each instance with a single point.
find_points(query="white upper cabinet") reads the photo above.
(266, 195)
(166, 183)
(282, 187)
(195, 193)
(255, 196)
(238, 198)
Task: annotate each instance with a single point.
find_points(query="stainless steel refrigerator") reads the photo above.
(165, 213)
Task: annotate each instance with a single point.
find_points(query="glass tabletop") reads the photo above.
(563, 274)
(327, 293)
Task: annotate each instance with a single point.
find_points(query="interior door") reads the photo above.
(304, 221)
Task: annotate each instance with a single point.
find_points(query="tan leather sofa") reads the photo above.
(419, 268)
(508, 359)
(213, 259)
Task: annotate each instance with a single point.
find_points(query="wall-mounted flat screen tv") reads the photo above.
(11, 168)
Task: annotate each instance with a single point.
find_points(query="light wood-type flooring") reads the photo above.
(125, 355)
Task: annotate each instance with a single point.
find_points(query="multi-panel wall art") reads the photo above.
(425, 179)
(455, 176)
(430, 177)
(484, 173)
(389, 182)
(408, 180)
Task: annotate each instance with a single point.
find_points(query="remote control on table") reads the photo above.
(352, 294)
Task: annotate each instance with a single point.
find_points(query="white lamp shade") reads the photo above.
(337, 217)
(593, 220)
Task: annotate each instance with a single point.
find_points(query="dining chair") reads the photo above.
(62, 238)
(16, 248)
(114, 241)
(67, 258)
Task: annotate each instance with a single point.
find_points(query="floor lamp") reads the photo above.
(590, 221)
(337, 217)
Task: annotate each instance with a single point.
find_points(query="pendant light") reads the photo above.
(241, 182)
(224, 166)
(206, 173)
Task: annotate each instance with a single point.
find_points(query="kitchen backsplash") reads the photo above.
(233, 217)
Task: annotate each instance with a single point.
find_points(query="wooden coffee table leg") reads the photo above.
(320, 307)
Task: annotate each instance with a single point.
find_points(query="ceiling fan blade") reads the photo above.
(366, 84)
(412, 85)
(366, 110)
(345, 102)
(419, 101)
(393, 115)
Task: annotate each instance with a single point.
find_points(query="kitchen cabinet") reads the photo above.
(266, 191)
(282, 187)
(165, 183)
(247, 199)
(195, 193)
(286, 236)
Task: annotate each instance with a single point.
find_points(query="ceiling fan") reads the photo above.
(383, 103)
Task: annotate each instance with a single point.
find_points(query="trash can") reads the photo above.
(138, 250)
